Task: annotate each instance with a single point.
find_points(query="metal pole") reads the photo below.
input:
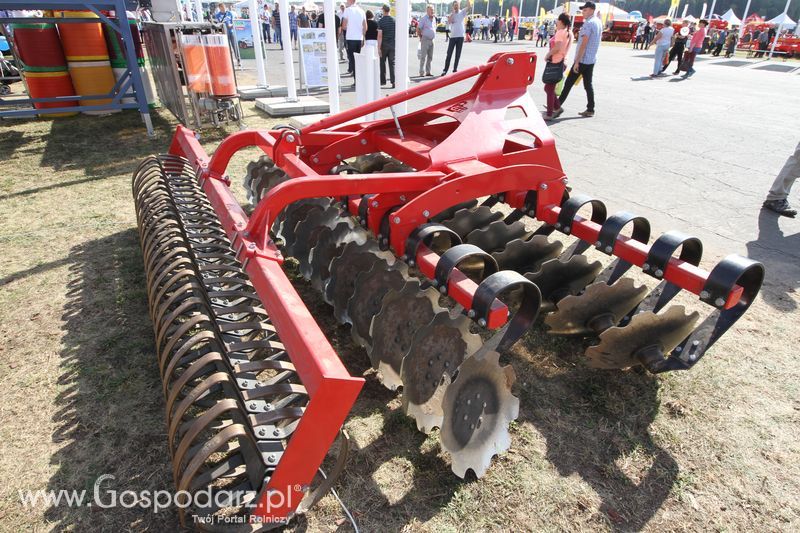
(711, 13)
(741, 26)
(703, 13)
(519, 18)
(402, 21)
(288, 60)
(780, 27)
(255, 26)
(331, 59)
(685, 9)
(536, 16)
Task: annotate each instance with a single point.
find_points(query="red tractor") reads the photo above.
(620, 31)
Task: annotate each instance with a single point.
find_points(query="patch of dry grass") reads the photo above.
(714, 448)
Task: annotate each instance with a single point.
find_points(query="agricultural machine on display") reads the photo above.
(432, 234)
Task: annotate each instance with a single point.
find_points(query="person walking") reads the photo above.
(371, 33)
(695, 46)
(585, 58)
(763, 44)
(778, 196)
(426, 31)
(662, 38)
(639, 40)
(648, 30)
(456, 22)
(496, 28)
(542, 36)
(302, 19)
(354, 26)
(225, 17)
(678, 47)
(555, 56)
(386, 42)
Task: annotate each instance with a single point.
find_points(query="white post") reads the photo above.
(780, 27)
(288, 60)
(255, 25)
(685, 9)
(741, 26)
(703, 13)
(331, 56)
(536, 16)
(402, 21)
(711, 13)
(519, 18)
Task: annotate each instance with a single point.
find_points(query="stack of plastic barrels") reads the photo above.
(44, 66)
(87, 58)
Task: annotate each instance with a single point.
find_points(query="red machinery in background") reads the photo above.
(430, 234)
(621, 31)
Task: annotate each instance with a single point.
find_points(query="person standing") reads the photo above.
(337, 28)
(371, 33)
(426, 31)
(648, 29)
(679, 40)
(720, 42)
(585, 58)
(763, 44)
(276, 24)
(225, 17)
(662, 38)
(542, 35)
(730, 44)
(695, 46)
(456, 22)
(639, 40)
(386, 42)
(354, 25)
(556, 55)
(340, 34)
(496, 28)
(302, 19)
(292, 27)
(778, 196)
(266, 16)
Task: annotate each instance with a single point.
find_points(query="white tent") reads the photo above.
(731, 18)
(689, 19)
(603, 10)
(782, 20)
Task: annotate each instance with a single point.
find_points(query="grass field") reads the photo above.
(715, 448)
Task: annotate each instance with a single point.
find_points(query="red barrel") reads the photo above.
(39, 47)
(50, 85)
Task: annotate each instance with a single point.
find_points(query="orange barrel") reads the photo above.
(196, 68)
(90, 78)
(220, 66)
(50, 85)
(39, 47)
(82, 41)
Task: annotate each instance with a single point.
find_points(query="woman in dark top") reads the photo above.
(371, 37)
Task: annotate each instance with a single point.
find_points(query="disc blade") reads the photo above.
(619, 347)
(478, 408)
(557, 279)
(402, 313)
(450, 211)
(465, 221)
(496, 235)
(596, 309)
(354, 259)
(436, 351)
(307, 234)
(527, 255)
(329, 245)
(368, 295)
(295, 221)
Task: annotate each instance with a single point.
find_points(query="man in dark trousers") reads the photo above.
(386, 35)
(456, 23)
(676, 52)
(585, 57)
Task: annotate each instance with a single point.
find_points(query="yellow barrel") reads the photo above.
(90, 78)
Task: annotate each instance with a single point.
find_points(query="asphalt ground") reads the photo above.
(694, 155)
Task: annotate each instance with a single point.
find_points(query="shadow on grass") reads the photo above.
(596, 424)
(110, 414)
(780, 254)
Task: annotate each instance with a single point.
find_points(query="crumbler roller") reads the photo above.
(431, 235)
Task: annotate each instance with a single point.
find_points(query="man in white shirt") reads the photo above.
(456, 22)
(427, 33)
(354, 26)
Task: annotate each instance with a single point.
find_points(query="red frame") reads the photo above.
(464, 148)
